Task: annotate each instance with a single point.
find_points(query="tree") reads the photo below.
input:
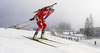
(63, 27)
(92, 30)
(89, 29)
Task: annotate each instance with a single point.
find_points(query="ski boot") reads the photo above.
(42, 36)
(35, 36)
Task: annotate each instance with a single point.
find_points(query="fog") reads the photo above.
(69, 11)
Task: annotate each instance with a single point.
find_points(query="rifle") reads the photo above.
(45, 7)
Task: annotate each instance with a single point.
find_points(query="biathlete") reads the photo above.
(40, 17)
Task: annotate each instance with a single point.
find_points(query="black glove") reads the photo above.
(31, 19)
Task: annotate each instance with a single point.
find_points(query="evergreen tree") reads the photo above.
(89, 29)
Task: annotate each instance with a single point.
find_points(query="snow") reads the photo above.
(91, 42)
(12, 41)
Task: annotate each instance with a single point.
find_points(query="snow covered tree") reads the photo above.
(62, 27)
(92, 27)
(89, 29)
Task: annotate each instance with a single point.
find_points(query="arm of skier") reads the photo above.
(50, 12)
(46, 17)
(34, 17)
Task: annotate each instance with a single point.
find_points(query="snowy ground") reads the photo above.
(12, 41)
(91, 42)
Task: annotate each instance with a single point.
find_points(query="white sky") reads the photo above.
(71, 11)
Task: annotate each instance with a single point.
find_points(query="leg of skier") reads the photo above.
(43, 30)
(39, 23)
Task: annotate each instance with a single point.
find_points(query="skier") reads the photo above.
(40, 17)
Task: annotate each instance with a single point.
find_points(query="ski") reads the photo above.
(51, 41)
(39, 41)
